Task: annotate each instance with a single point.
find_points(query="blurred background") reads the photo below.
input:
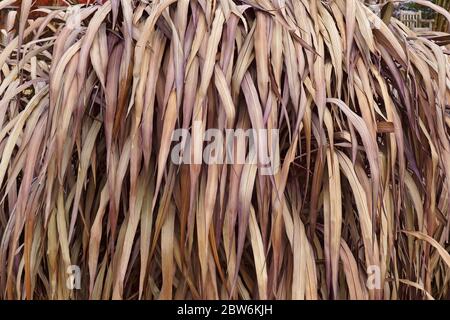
(416, 16)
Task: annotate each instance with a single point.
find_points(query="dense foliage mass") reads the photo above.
(90, 97)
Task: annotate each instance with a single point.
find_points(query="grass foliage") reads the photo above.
(89, 99)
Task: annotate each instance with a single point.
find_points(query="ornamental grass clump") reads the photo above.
(92, 205)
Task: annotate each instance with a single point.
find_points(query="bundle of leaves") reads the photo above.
(357, 208)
